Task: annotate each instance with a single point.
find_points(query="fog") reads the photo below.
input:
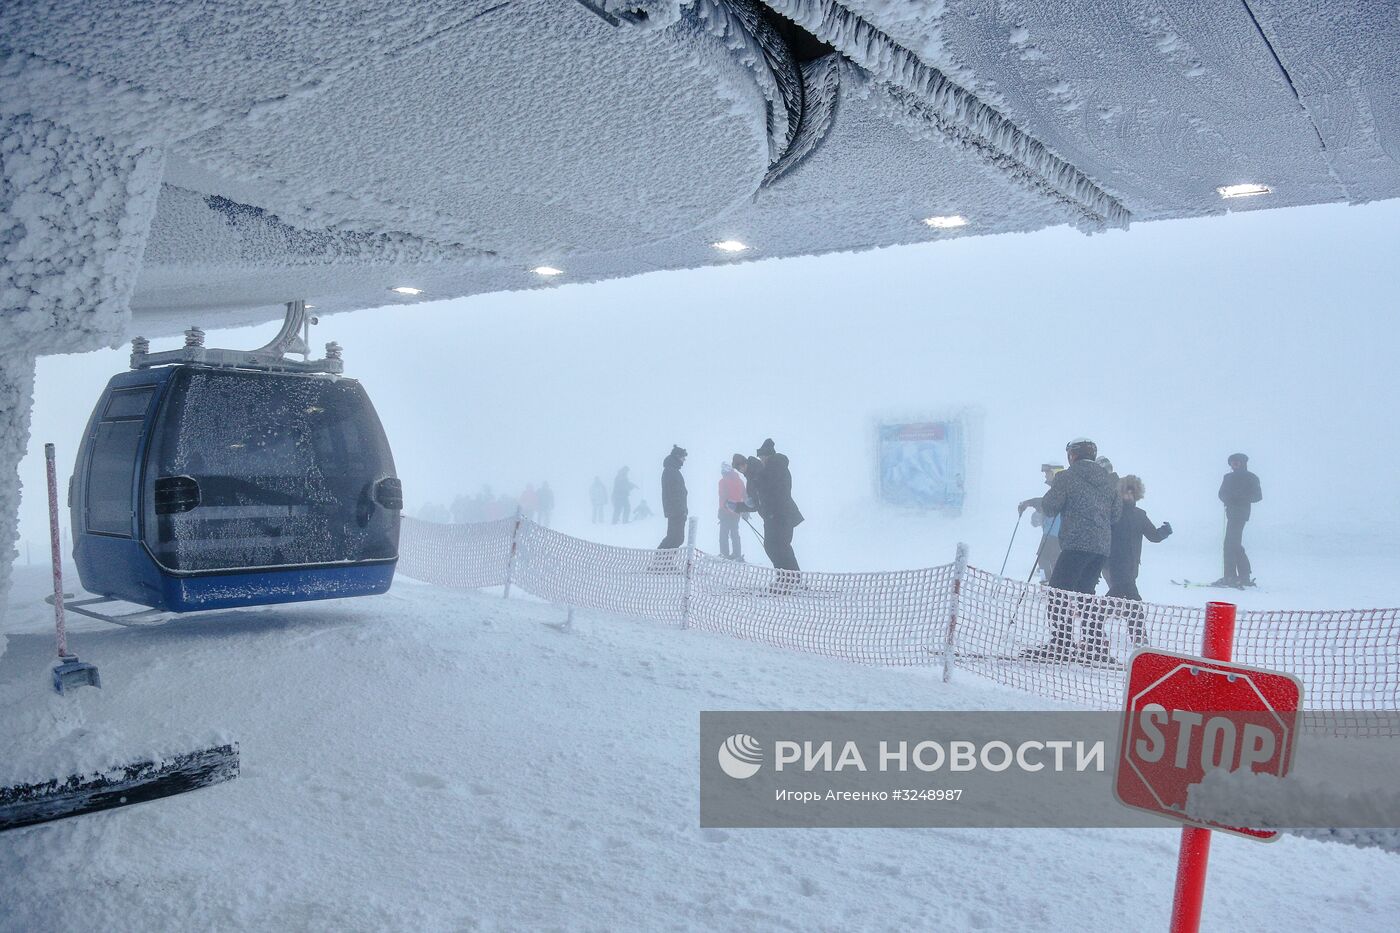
(1172, 345)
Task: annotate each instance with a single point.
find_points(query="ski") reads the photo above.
(1208, 586)
(27, 804)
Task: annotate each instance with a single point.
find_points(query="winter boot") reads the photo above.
(1050, 651)
(1096, 653)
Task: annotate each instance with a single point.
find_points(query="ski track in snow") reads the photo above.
(434, 759)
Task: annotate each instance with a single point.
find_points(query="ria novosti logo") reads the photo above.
(741, 756)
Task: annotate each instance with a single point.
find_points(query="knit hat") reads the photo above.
(738, 460)
(767, 450)
(1243, 458)
(678, 451)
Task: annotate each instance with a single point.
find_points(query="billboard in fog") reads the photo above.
(923, 464)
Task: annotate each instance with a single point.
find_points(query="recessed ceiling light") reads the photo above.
(730, 246)
(547, 270)
(946, 223)
(1243, 191)
(406, 290)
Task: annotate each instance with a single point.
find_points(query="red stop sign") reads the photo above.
(1184, 715)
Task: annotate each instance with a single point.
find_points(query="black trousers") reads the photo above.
(1077, 572)
(1236, 561)
(675, 532)
(1134, 615)
(622, 511)
(777, 544)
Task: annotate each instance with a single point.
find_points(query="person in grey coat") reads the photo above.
(1085, 496)
(675, 504)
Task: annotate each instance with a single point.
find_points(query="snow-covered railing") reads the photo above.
(1348, 660)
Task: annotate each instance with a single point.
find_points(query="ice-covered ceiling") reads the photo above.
(333, 150)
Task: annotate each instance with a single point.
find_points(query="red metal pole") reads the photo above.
(1217, 644)
(55, 552)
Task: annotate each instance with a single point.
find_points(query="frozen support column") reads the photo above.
(75, 210)
(16, 398)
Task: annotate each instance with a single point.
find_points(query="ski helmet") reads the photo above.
(1104, 462)
(1081, 448)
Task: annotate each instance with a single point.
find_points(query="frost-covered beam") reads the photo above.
(957, 114)
(75, 210)
(16, 400)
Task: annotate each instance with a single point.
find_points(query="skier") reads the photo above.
(1238, 490)
(621, 497)
(674, 499)
(598, 496)
(546, 497)
(1049, 550)
(1086, 499)
(462, 510)
(1125, 553)
(731, 489)
(641, 511)
(530, 502)
(771, 488)
(750, 467)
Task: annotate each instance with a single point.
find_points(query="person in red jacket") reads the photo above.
(731, 489)
(530, 502)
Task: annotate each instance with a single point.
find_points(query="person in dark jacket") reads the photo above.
(546, 496)
(1085, 496)
(1238, 490)
(622, 497)
(598, 497)
(675, 503)
(1125, 553)
(770, 488)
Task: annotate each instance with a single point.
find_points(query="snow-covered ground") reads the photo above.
(441, 760)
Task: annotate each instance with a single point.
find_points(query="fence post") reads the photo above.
(951, 638)
(514, 546)
(1217, 643)
(692, 527)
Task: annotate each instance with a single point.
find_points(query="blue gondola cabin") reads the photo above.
(210, 488)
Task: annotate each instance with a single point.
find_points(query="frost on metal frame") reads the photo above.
(923, 99)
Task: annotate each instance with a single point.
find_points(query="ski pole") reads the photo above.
(753, 529)
(1038, 552)
(1002, 571)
